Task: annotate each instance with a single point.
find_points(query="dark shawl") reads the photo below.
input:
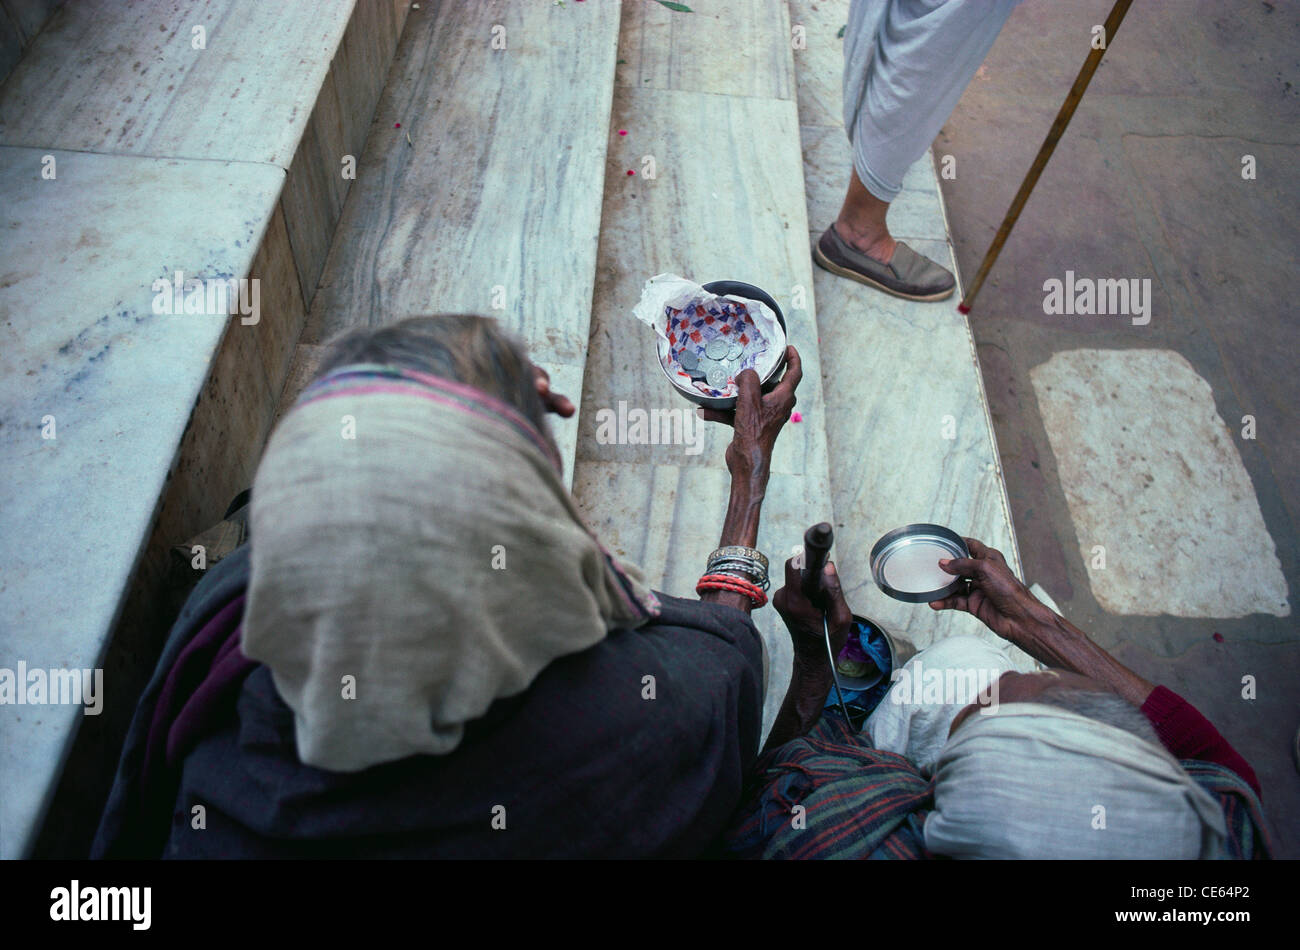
(583, 762)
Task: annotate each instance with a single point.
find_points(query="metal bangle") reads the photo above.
(748, 568)
(739, 550)
(752, 569)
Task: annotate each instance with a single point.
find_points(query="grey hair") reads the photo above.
(464, 348)
(1101, 705)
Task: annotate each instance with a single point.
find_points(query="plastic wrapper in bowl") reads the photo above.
(688, 318)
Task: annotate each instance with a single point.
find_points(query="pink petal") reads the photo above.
(796, 417)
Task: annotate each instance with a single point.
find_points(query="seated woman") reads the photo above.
(1083, 760)
(424, 652)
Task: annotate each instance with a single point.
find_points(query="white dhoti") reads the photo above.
(906, 63)
(929, 691)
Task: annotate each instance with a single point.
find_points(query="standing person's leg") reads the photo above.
(906, 63)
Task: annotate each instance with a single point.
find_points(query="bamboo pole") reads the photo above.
(1111, 27)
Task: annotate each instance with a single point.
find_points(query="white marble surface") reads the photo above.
(724, 47)
(120, 78)
(79, 341)
(900, 377)
(1152, 477)
(493, 207)
(819, 65)
(914, 381)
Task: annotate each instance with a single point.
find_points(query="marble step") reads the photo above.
(20, 22)
(727, 202)
(291, 85)
(907, 421)
(127, 154)
(487, 198)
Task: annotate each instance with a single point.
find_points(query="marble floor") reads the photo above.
(907, 424)
(143, 142)
(96, 390)
(487, 197)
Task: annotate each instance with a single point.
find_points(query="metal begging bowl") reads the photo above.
(734, 288)
(905, 563)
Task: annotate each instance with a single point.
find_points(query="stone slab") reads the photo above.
(1164, 511)
(80, 341)
(724, 47)
(234, 100)
(493, 206)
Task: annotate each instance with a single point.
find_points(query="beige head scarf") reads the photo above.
(415, 556)
(1035, 781)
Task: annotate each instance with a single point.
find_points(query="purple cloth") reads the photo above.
(205, 678)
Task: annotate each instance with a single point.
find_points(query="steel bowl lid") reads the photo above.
(905, 563)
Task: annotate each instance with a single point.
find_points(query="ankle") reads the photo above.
(873, 241)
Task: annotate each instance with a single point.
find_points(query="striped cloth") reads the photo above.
(1248, 837)
(859, 802)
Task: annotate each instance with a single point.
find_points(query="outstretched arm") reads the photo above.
(757, 420)
(1007, 608)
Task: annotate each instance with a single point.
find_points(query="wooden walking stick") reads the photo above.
(1110, 28)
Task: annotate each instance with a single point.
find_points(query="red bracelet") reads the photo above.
(733, 583)
(735, 580)
(755, 601)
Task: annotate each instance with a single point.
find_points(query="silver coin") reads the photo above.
(718, 378)
(716, 349)
(688, 360)
(736, 350)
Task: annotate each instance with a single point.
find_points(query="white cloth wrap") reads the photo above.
(906, 63)
(916, 727)
(1035, 781)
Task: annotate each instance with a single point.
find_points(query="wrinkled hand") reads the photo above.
(804, 619)
(758, 418)
(554, 402)
(996, 598)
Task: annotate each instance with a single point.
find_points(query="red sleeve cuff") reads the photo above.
(1189, 735)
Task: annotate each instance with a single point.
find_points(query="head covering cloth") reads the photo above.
(415, 557)
(1034, 781)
